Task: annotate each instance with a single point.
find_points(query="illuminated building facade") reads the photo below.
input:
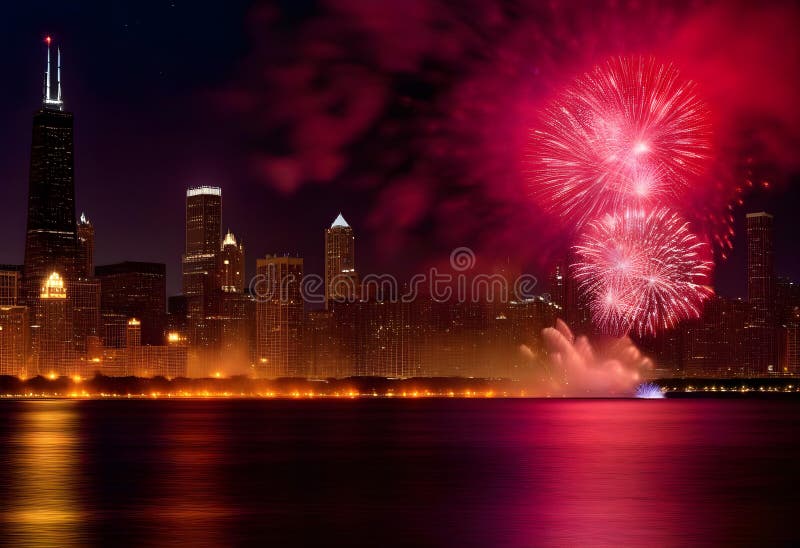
(50, 241)
(14, 340)
(203, 222)
(84, 300)
(10, 277)
(168, 360)
(53, 341)
(279, 317)
(133, 346)
(387, 338)
(203, 225)
(133, 334)
(319, 345)
(136, 290)
(230, 334)
(133, 359)
(230, 265)
(341, 278)
(228, 316)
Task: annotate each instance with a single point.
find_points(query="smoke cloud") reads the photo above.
(574, 367)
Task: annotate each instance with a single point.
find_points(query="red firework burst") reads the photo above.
(630, 133)
(642, 271)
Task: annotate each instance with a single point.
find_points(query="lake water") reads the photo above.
(400, 472)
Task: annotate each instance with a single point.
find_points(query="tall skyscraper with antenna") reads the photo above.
(50, 241)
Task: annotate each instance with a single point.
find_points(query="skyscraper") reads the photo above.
(760, 268)
(133, 347)
(341, 278)
(279, 317)
(54, 333)
(133, 335)
(50, 243)
(203, 221)
(227, 324)
(762, 321)
(85, 264)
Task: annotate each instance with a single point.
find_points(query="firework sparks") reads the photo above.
(642, 271)
(631, 132)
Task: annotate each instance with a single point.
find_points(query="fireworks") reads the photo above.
(631, 132)
(618, 157)
(643, 271)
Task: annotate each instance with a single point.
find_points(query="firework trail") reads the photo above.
(631, 132)
(643, 271)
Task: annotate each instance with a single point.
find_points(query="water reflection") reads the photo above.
(44, 505)
(187, 507)
(429, 472)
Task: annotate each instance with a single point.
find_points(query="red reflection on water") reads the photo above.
(187, 506)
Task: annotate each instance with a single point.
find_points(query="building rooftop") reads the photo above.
(340, 222)
(204, 191)
(230, 239)
(127, 267)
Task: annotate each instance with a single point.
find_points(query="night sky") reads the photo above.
(406, 116)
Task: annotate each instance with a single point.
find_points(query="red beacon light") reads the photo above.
(48, 40)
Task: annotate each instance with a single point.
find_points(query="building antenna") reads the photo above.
(47, 73)
(58, 74)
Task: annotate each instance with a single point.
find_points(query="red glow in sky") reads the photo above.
(429, 116)
(630, 132)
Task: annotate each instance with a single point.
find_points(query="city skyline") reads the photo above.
(122, 318)
(399, 273)
(167, 178)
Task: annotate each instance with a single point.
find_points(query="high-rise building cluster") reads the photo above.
(214, 313)
(62, 315)
(59, 315)
(752, 337)
(757, 336)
